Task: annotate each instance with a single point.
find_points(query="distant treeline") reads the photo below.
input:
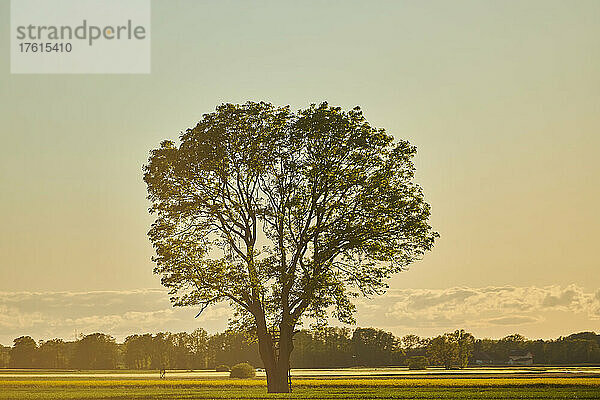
(323, 348)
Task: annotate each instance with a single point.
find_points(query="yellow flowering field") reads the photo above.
(240, 383)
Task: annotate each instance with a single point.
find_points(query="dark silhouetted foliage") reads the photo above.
(4, 356)
(417, 362)
(23, 353)
(95, 351)
(373, 347)
(451, 350)
(53, 354)
(325, 347)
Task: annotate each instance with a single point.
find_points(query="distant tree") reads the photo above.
(52, 354)
(557, 351)
(538, 349)
(335, 346)
(398, 356)
(320, 347)
(465, 342)
(373, 347)
(162, 349)
(417, 362)
(132, 354)
(95, 351)
(584, 347)
(4, 356)
(325, 347)
(199, 349)
(414, 345)
(509, 344)
(410, 342)
(582, 350)
(333, 196)
(305, 354)
(443, 352)
(452, 350)
(584, 336)
(181, 354)
(137, 352)
(23, 353)
(571, 350)
(233, 347)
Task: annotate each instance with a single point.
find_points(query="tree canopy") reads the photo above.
(284, 215)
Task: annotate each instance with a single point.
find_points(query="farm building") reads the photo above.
(520, 358)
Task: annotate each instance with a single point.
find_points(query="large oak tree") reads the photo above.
(284, 215)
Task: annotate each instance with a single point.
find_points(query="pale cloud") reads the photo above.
(45, 315)
(11, 317)
(477, 308)
(514, 320)
(596, 306)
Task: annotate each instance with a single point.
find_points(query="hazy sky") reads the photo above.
(502, 100)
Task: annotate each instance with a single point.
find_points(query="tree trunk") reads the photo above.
(275, 352)
(277, 379)
(276, 358)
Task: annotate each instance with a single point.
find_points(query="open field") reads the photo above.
(304, 393)
(62, 385)
(316, 373)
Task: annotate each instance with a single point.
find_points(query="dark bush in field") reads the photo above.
(222, 368)
(242, 370)
(417, 362)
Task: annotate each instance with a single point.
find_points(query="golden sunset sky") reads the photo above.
(502, 99)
